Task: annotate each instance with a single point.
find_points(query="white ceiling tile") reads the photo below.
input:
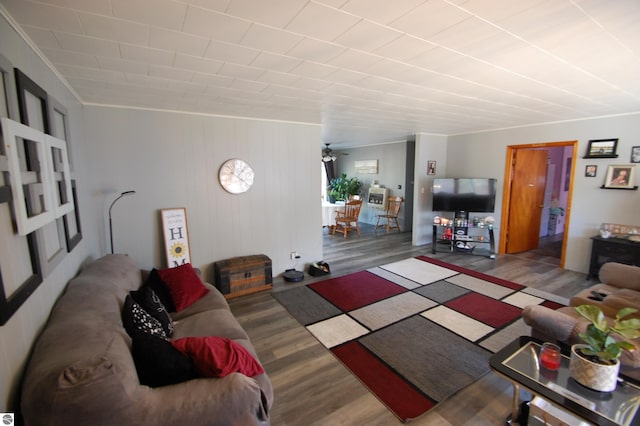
(311, 84)
(312, 21)
(66, 57)
(355, 60)
(440, 59)
(459, 36)
(122, 65)
(270, 39)
(88, 45)
(344, 76)
(313, 69)
(193, 63)
(212, 80)
(240, 71)
(161, 13)
(277, 77)
(43, 16)
(132, 52)
(429, 18)
(315, 50)
(92, 73)
(229, 52)
(276, 13)
(215, 25)
(367, 36)
(404, 48)
(115, 29)
(275, 62)
(143, 80)
(161, 38)
(382, 11)
(43, 38)
(217, 5)
(170, 73)
(93, 6)
(495, 10)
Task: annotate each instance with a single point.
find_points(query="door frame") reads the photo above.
(506, 191)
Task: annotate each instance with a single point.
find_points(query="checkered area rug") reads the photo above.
(414, 331)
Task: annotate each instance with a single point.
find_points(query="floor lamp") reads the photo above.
(124, 194)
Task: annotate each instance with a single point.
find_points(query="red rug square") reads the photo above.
(394, 392)
(356, 290)
(485, 309)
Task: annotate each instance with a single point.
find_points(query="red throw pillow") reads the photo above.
(218, 356)
(184, 285)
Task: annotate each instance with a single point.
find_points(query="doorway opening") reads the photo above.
(536, 199)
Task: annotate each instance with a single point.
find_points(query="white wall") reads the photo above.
(172, 160)
(483, 155)
(17, 335)
(428, 148)
(391, 159)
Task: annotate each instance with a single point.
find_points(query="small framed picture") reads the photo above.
(431, 168)
(620, 176)
(591, 170)
(635, 154)
(602, 148)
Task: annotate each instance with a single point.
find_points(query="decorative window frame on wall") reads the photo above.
(18, 282)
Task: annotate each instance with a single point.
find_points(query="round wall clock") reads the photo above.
(236, 176)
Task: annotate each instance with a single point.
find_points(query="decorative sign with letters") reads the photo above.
(176, 236)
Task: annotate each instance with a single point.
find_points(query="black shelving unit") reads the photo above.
(458, 235)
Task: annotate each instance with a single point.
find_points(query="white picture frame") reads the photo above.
(176, 236)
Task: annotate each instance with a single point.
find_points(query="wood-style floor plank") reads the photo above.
(313, 388)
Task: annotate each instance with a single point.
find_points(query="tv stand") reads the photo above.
(460, 236)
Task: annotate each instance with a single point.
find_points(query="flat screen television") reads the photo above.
(464, 194)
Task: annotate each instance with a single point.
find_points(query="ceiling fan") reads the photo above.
(327, 154)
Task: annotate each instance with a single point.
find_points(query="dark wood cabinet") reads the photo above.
(605, 250)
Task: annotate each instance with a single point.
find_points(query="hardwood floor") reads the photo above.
(313, 388)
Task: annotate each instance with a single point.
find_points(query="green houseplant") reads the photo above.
(595, 364)
(342, 187)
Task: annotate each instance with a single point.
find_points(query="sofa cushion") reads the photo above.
(135, 319)
(158, 363)
(160, 288)
(184, 285)
(150, 302)
(218, 356)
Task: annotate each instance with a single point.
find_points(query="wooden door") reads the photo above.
(526, 200)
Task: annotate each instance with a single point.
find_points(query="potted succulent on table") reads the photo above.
(596, 364)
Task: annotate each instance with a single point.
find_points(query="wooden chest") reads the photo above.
(243, 275)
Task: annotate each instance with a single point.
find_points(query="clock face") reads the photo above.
(236, 176)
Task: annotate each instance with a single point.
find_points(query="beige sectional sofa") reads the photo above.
(82, 371)
(619, 288)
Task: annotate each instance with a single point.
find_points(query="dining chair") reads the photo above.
(391, 215)
(346, 218)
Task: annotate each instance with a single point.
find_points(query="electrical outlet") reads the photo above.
(294, 255)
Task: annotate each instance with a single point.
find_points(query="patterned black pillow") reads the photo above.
(134, 319)
(150, 302)
(160, 288)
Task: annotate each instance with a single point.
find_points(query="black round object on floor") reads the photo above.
(293, 276)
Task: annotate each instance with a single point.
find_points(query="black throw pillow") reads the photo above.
(158, 363)
(160, 288)
(150, 302)
(135, 319)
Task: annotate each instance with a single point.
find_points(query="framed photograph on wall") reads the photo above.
(591, 170)
(176, 236)
(620, 176)
(431, 168)
(602, 148)
(635, 154)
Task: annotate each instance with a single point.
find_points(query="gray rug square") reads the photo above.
(306, 305)
(441, 291)
(438, 361)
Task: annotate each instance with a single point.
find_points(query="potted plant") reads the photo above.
(342, 187)
(595, 364)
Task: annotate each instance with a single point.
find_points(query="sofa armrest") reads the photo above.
(234, 399)
(620, 275)
(553, 325)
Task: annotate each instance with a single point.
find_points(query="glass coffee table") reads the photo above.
(518, 362)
